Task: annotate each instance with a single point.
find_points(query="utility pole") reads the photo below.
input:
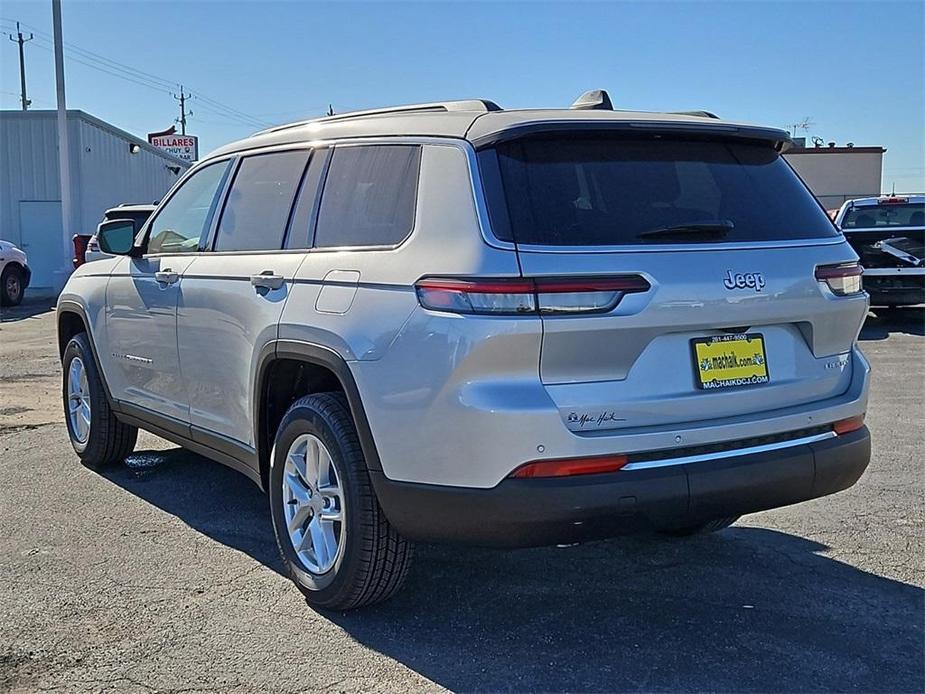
(183, 112)
(22, 64)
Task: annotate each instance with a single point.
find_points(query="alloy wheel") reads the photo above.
(78, 400)
(313, 504)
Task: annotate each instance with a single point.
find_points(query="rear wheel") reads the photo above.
(336, 543)
(12, 285)
(96, 435)
(702, 528)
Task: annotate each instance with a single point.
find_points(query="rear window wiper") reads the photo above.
(720, 227)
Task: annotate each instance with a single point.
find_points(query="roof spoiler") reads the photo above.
(779, 139)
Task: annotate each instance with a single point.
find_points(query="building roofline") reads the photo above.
(83, 115)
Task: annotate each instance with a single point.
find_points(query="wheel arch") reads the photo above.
(71, 320)
(24, 269)
(327, 371)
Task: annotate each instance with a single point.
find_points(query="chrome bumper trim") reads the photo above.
(730, 453)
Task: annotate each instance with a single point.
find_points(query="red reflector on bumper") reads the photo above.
(846, 426)
(568, 467)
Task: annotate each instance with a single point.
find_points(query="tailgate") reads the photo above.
(634, 366)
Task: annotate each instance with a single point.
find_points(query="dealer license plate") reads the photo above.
(730, 361)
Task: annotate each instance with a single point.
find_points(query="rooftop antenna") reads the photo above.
(804, 125)
(330, 111)
(893, 192)
(594, 100)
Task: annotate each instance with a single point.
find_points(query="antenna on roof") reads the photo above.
(804, 125)
(594, 100)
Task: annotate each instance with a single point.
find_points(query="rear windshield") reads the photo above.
(606, 191)
(910, 214)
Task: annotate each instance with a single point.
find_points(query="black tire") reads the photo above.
(375, 559)
(712, 526)
(12, 285)
(109, 441)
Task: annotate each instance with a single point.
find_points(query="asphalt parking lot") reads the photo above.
(161, 575)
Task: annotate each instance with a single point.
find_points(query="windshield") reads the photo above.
(608, 191)
(893, 214)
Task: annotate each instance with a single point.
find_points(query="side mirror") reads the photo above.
(116, 236)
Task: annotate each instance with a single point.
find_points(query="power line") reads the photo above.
(109, 61)
(144, 79)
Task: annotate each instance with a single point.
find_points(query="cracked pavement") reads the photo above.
(161, 576)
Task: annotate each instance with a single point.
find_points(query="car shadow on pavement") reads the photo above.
(27, 309)
(747, 609)
(177, 481)
(881, 322)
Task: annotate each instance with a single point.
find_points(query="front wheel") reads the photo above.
(337, 545)
(12, 286)
(98, 438)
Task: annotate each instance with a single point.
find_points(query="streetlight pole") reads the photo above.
(64, 158)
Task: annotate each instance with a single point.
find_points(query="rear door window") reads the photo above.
(609, 191)
(259, 202)
(369, 196)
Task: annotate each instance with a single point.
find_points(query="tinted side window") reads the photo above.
(369, 196)
(181, 222)
(259, 202)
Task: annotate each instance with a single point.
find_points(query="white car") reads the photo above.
(14, 274)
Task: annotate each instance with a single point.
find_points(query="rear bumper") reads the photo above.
(533, 512)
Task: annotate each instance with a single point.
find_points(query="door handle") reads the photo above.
(267, 280)
(167, 276)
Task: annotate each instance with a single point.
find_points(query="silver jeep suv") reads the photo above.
(451, 322)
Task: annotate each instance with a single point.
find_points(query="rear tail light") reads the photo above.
(841, 279)
(527, 296)
(846, 426)
(568, 467)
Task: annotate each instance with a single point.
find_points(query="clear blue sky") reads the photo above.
(856, 68)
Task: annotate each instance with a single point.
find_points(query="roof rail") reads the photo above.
(702, 114)
(479, 105)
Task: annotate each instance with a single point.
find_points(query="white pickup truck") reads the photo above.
(888, 233)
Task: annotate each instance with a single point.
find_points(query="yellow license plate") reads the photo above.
(730, 361)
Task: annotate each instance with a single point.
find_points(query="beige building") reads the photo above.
(837, 174)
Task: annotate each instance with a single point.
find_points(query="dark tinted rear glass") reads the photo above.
(606, 191)
(369, 196)
(883, 216)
